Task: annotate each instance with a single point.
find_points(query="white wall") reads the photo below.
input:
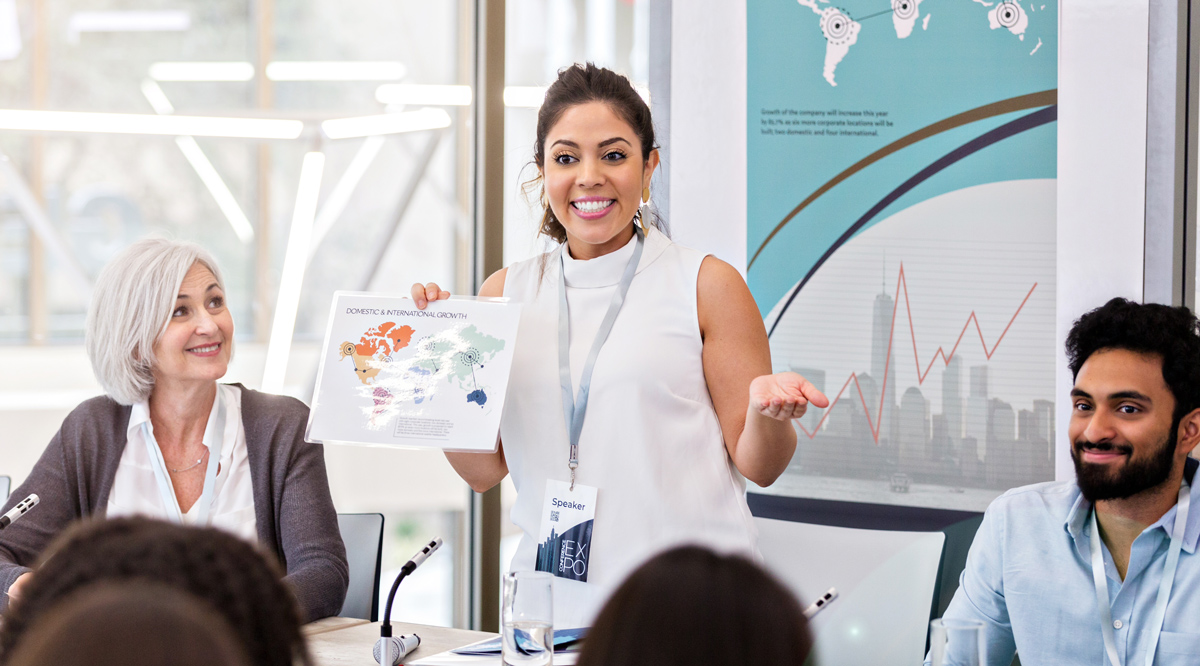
(1101, 168)
(1101, 150)
(708, 127)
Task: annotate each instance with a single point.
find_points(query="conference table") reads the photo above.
(344, 641)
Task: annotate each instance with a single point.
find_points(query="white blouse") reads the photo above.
(135, 489)
(651, 442)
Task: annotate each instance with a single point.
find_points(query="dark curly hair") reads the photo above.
(692, 607)
(130, 624)
(580, 84)
(1169, 333)
(239, 580)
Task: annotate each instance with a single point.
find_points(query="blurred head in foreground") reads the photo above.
(231, 575)
(692, 607)
(130, 624)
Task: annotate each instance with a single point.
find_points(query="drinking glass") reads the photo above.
(527, 619)
(957, 643)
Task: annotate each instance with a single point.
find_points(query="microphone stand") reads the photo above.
(385, 630)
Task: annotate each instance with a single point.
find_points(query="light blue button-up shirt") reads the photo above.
(1029, 580)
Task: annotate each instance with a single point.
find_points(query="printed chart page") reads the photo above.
(393, 375)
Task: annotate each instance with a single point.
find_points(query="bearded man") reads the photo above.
(1102, 570)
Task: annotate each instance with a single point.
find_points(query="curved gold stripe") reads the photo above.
(1019, 103)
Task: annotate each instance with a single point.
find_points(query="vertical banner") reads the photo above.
(901, 240)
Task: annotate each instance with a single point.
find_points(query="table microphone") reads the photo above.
(820, 604)
(389, 650)
(19, 510)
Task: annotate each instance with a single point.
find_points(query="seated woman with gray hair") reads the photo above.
(169, 442)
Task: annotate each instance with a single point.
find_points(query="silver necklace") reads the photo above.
(191, 467)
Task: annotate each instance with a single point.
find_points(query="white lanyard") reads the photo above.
(215, 434)
(1164, 585)
(575, 409)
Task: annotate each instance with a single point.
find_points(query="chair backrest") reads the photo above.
(363, 535)
(5, 488)
(886, 582)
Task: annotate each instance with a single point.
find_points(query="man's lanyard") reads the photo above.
(214, 433)
(574, 409)
(1164, 585)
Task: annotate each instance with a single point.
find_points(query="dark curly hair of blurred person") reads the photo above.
(692, 607)
(236, 578)
(1169, 333)
(130, 624)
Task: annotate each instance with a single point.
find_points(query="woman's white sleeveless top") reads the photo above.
(651, 442)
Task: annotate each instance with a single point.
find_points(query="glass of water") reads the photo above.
(527, 619)
(957, 643)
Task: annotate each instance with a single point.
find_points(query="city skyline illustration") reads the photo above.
(975, 440)
(933, 335)
(882, 349)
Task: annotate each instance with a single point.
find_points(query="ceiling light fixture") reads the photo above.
(202, 71)
(336, 71)
(134, 123)
(388, 123)
(423, 95)
(291, 278)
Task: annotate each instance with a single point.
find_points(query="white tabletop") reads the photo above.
(343, 641)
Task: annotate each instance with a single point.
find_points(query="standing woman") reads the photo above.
(168, 441)
(665, 350)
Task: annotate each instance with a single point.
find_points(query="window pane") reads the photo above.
(392, 209)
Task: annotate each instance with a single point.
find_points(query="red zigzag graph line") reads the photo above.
(902, 284)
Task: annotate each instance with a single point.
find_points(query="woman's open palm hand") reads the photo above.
(784, 396)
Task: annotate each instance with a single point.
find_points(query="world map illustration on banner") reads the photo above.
(397, 375)
(901, 233)
(841, 29)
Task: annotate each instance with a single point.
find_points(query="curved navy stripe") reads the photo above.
(1007, 130)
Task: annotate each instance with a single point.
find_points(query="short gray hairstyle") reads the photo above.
(131, 307)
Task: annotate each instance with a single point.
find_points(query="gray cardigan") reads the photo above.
(292, 506)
